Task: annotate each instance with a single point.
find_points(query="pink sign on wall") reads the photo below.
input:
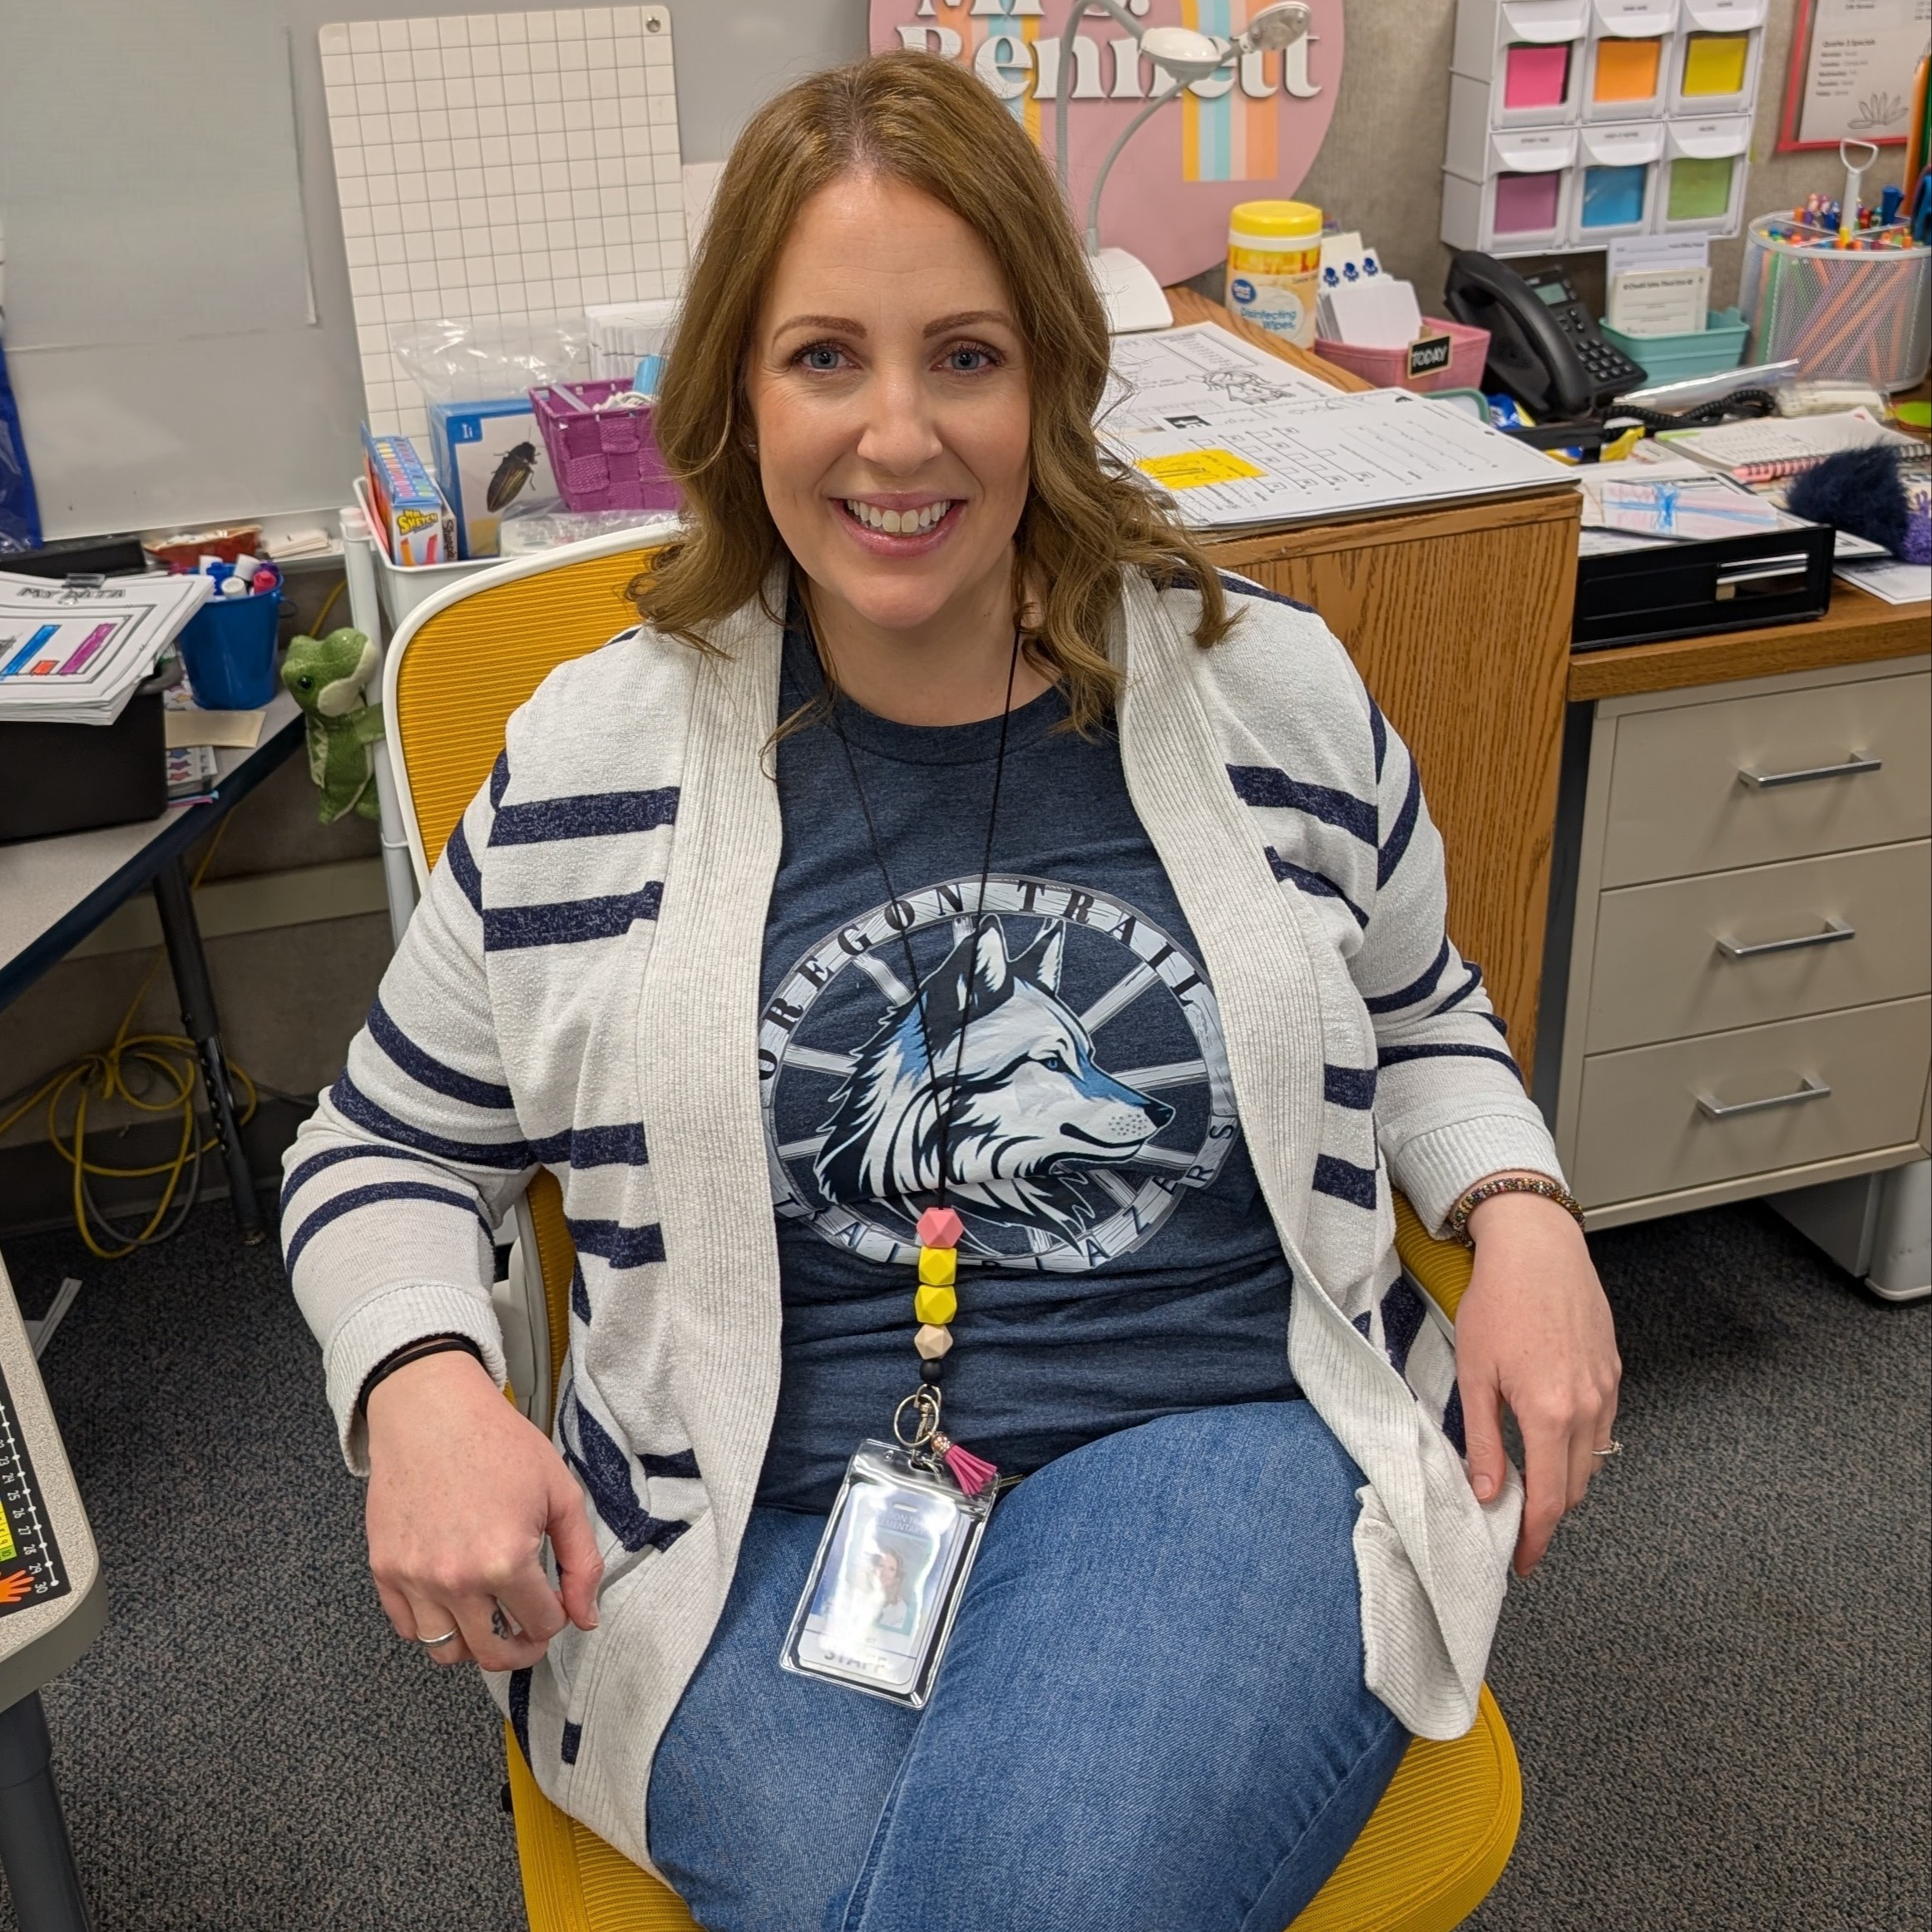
(1247, 134)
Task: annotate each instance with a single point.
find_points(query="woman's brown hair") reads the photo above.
(928, 123)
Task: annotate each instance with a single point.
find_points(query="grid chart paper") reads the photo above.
(500, 166)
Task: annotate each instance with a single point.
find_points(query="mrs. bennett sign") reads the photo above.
(1248, 134)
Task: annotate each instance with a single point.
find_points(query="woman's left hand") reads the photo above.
(1534, 1331)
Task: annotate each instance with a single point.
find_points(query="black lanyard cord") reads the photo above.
(918, 984)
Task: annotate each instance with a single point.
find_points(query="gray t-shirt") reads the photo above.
(1118, 1263)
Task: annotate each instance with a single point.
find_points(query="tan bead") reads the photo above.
(933, 1341)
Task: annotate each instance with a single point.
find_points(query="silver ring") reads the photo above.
(1616, 1448)
(437, 1643)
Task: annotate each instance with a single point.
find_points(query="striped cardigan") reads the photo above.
(579, 989)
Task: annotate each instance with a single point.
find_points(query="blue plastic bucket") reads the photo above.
(229, 648)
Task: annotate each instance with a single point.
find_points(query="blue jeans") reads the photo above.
(1151, 1719)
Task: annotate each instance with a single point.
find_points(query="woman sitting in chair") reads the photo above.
(975, 971)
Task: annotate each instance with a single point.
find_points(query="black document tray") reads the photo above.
(1646, 594)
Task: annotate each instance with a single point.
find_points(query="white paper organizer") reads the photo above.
(1724, 138)
(1616, 144)
(1730, 19)
(1619, 30)
(1508, 191)
(1509, 48)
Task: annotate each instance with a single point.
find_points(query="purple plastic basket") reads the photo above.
(603, 458)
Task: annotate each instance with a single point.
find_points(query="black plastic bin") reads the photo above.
(74, 778)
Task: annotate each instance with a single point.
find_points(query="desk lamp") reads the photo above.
(1126, 284)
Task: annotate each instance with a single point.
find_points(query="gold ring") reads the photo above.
(1616, 1448)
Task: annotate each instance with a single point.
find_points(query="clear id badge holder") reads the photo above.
(885, 1586)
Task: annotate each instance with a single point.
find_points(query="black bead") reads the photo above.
(930, 1373)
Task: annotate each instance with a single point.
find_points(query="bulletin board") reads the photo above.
(213, 370)
(1850, 73)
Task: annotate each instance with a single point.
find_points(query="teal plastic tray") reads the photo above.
(1673, 358)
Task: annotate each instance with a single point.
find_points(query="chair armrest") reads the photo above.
(1440, 1268)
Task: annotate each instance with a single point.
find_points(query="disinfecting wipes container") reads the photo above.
(1274, 260)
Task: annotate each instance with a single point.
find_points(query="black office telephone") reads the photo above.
(1544, 349)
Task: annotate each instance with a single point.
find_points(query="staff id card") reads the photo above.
(885, 1586)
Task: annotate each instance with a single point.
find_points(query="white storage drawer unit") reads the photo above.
(1749, 1005)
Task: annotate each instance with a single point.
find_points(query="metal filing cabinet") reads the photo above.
(1749, 999)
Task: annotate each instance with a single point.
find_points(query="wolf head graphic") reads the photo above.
(1033, 1110)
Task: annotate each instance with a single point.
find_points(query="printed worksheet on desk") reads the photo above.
(1177, 377)
(1247, 465)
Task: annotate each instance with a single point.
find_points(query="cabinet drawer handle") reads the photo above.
(1835, 930)
(1852, 766)
(1714, 1108)
(1764, 576)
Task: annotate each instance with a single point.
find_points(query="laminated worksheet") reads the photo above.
(1241, 438)
(72, 654)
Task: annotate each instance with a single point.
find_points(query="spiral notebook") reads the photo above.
(1758, 452)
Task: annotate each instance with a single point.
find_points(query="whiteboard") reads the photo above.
(174, 429)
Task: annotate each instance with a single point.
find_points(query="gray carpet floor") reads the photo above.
(1718, 1684)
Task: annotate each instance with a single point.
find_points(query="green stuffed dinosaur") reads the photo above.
(329, 677)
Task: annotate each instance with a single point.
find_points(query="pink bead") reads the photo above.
(940, 1227)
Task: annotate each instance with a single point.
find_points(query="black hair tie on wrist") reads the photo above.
(416, 1351)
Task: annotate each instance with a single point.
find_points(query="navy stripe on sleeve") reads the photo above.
(1378, 732)
(1418, 989)
(1318, 883)
(606, 1146)
(428, 1071)
(1345, 1180)
(462, 867)
(1396, 1055)
(622, 1247)
(580, 1295)
(1349, 1086)
(1265, 785)
(588, 815)
(1397, 842)
(350, 1100)
(682, 1467)
(305, 1171)
(569, 921)
(499, 778)
(1463, 992)
(1241, 587)
(1403, 1312)
(572, 1742)
(351, 1198)
(520, 1711)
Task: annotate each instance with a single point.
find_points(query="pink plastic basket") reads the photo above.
(603, 457)
(1389, 368)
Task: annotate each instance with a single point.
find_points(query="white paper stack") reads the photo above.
(73, 655)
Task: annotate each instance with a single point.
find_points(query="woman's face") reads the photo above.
(888, 393)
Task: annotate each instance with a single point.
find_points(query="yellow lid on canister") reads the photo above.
(1274, 221)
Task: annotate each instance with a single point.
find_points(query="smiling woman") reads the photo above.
(1028, 1012)
(892, 315)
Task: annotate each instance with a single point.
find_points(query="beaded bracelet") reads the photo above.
(1458, 1221)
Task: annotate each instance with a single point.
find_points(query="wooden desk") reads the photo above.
(1458, 618)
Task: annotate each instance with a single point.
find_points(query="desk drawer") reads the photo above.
(1678, 803)
(1643, 1129)
(1659, 972)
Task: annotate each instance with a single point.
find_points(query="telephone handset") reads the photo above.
(1544, 349)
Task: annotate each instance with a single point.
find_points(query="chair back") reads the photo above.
(456, 667)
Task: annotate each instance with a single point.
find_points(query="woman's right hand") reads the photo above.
(462, 1491)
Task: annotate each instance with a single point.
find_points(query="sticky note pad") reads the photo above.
(1714, 63)
(1535, 77)
(1190, 469)
(1613, 197)
(1525, 204)
(1700, 187)
(1627, 70)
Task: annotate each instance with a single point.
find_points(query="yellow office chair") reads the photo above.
(457, 667)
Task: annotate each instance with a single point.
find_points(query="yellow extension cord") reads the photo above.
(171, 1058)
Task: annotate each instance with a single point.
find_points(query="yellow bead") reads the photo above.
(938, 1267)
(935, 1305)
(933, 1341)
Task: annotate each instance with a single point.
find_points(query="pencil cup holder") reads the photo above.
(229, 648)
(602, 450)
(1856, 314)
